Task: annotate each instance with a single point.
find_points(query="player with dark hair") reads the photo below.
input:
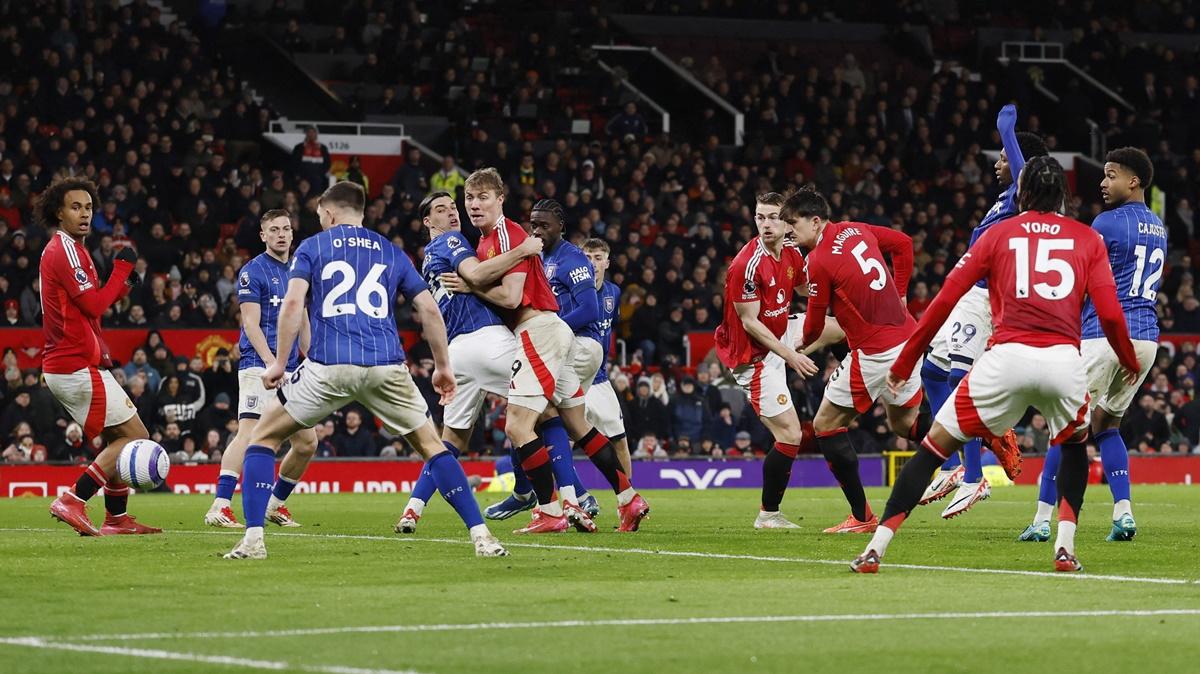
(600, 402)
(751, 341)
(262, 282)
(965, 335)
(354, 275)
(846, 274)
(1137, 250)
(1039, 267)
(76, 360)
(481, 347)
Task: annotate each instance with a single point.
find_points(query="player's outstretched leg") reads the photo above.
(422, 491)
(1115, 458)
(220, 513)
(905, 495)
(558, 443)
(1072, 483)
(843, 463)
(776, 472)
(1038, 531)
(936, 384)
(258, 477)
(631, 507)
(522, 497)
(291, 469)
(71, 507)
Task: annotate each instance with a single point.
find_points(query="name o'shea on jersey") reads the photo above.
(610, 304)
(354, 275)
(1136, 242)
(263, 281)
(463, 313)
(570, 275)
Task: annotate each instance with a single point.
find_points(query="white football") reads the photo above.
(143, 464)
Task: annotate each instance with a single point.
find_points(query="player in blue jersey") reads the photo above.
(261, 286)
(482, 348)
(351, 276)
(964, 336)
(1137, 250)
(603, 408)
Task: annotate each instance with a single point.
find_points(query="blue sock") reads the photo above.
(226, 484)
(425, 487)
(562, 462)
(283, 488)
(936, 382)
(258, 473)
(1115, 457)
(1048, 493)
(522, 485)
(451, 481)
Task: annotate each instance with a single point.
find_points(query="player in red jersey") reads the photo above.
(76, 359)
(1039, 265)
(759, 287)
(542, 372)
(846, 273)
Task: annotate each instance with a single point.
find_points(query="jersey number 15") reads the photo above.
(1043, 264)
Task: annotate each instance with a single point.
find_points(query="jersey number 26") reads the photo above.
(370, 289)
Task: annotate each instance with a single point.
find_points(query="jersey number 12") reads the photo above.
(1146, 288)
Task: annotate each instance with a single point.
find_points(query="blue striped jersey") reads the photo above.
(354, 275)
(263, 281)
(463, 313)
(1004, 208)
(610, 303)
(572, 279)
(1137, 250)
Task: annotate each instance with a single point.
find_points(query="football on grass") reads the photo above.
(143, 464)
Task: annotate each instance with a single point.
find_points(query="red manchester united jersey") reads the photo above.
(846, 271)
(1039, 267)
(536, 294)
(756, 276)
(70, 324)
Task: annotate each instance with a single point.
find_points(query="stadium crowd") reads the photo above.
(175, 147)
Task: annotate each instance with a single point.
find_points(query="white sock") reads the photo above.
(1066, 537)
(222, 503)
(523, 497)
(881, 540)
(1122, 507)
(552, 509)
(626, 496)
(273, 503)
(479, 531)
(1044, 511)
(253, 534)
(416, 505)
(567, 494)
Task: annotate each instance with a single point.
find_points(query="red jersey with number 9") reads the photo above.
(755, 276)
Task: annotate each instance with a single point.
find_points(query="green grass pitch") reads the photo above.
(345, 595)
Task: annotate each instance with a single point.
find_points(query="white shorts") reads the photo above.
(544, 345)
(1104, 373)
(483, 363)
(1007, 380)
(93, 398)
(604, 410)
(861, 379)
(765, 384)
(965, 334)
(314, 391)
(252, 397)
(583, 362)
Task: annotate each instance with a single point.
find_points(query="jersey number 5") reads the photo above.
(1043, 264)
(870, 265)
(370, 289)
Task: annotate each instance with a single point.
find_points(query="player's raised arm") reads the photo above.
(1102, 288)
(482, 274)
(92, 301)
(899, 246)
(291, 318)
(1006, 124)
(506, 294)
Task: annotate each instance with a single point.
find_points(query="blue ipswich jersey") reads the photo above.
(263, 281)
(570, 272)
(464, 314)
(610, 302)
(354, 274)
(1137, 249)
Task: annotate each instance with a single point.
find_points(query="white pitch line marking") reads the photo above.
(224, 660)
(704, 555)
(627, 622)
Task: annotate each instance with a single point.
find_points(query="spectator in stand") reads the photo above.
(71, 448)
(310, 161)
(724, 427)
(448, 178)
(689, 414)
(139, 362)
(355, 440)
(742, 445)
(629, 122)
(12, 315)
(325, 435)
(1146, 425)
(649, 449)
(646, 413)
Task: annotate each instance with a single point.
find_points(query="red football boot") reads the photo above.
(1008, 453)
(70, 510)
(125, 524)
(852, 525)
(545, 524)
(579, 518)
(867, 562)
(633, 513)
